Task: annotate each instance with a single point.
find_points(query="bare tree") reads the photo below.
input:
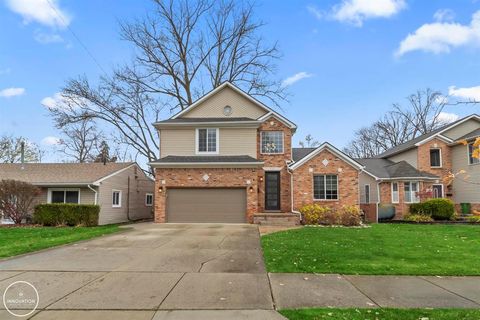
(309, 142)
(183, 49)
(80, 140)
(11, 150)
(401, 124)
(17, 199)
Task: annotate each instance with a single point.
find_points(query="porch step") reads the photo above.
(276, 219)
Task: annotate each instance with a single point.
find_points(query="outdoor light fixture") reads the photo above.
(261, 179)
(250, 189)
(160, 189)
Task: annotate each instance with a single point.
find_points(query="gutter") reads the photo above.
(94, 191)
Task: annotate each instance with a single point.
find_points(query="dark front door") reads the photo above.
(272, 190)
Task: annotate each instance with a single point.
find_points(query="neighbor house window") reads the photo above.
(149, 199)
(395, 197)
(435, 158)
(207, 140)
(60, 195)
(272, 141)
(471, 158)
(325, 187)
(411, 189)
(367, 193)
(116, 198)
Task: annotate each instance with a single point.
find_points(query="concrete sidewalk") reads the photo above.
(301, 290)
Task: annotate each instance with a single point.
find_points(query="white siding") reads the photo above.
(213, 106)
(410, 156)
(465, 191)
(133, 202)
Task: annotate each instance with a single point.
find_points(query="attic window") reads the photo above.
(227, 110)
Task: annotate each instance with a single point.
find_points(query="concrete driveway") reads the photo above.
(149, 269)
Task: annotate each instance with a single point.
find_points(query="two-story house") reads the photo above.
(418, 168)
(229, 158)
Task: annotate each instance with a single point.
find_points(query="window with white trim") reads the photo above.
(411, 189)
(207, 140)
(435, 158)
(271, 142)
(367, 193)
(471, 150)
(395, 196)
(62, 195)
(149, 199)
(325, 187)
(116, 198)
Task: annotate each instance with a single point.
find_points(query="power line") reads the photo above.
(76, 37)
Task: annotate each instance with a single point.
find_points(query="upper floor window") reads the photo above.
(325, 187)
(472, 158)
(207, 140)
(435, 158)
(411, 189)
(271, 142)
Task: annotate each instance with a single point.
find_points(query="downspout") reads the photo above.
(378, 197)
(94, 191)
(128, 199)
(291, 193)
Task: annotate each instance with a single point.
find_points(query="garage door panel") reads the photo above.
(224, 205)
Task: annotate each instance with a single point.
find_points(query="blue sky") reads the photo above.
(351, 59)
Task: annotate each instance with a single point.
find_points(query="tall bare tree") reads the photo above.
(401, 124)
(183, 50)
(11, 150)
(80, 140)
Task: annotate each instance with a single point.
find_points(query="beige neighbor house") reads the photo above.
(229, 158)
(122, 190)
(416, 169)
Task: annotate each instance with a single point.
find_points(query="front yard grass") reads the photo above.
(383, 249)
(18, 240)
(381, 314)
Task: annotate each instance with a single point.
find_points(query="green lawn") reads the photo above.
(382, 314)
(14, 241)
(379, 249)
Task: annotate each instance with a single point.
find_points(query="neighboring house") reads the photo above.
(229, 158)
(418, 168)
(122, 190)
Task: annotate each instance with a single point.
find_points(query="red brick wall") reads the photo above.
(193, 177)
(423, 160)
(347, 181)
(276, 160)
(401, 208)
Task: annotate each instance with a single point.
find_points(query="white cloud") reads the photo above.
(46, 38)
(50, 141)
(11, 92)
(357, 11)
(315, 12)
(443, 15)
(441, 37)
(446, 117)
(472, 93)
(295, 78)
(5, 71)
(53, 101)
(46, 12)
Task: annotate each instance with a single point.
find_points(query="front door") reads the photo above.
(272, 190)
(437, 190)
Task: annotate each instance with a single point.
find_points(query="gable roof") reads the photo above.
(384, 169)
(324, 146)
(437, 133)
(61, 173)
(244, 94)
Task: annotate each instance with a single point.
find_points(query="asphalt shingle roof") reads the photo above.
(199, 120)
(62, 173)
(300, 153)
(386, 169)
(205, 159)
